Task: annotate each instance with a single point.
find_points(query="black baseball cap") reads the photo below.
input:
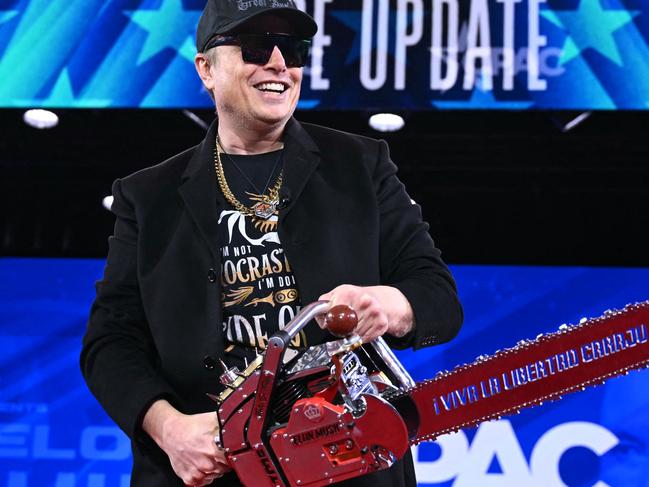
(225, 16)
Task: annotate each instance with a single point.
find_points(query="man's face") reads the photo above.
(249, 92)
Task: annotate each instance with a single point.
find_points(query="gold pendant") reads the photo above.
(264, 209)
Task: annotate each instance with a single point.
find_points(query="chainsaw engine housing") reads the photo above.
(332, 413)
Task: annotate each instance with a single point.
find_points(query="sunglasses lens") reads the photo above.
(255, 55)
(257, 48)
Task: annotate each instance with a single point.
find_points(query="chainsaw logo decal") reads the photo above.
(315, 434)
(313, 412)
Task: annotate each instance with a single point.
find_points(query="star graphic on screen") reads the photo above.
(188, 49)
(167, 27)
(590, 26)
(62, 95)
(7, 15)
(353, 19)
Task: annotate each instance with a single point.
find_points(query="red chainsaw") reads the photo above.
(344, 409)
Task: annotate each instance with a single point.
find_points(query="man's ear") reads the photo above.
(202, 65)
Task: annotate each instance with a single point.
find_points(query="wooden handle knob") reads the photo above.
(341, 321)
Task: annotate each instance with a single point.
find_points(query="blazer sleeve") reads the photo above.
(410, 262)
(119, 360)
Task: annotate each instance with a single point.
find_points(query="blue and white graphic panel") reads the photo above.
(369, 54)
(53, 432)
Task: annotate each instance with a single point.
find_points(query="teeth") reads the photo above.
(275, 87)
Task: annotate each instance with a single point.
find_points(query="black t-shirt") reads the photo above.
(259, 292)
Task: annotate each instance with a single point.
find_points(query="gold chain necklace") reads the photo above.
(265, 206)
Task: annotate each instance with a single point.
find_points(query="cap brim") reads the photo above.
(303, 23)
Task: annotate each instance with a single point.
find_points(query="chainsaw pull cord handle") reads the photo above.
(340, 321)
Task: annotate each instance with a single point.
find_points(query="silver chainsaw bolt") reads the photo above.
(333, 449)
(349, 444)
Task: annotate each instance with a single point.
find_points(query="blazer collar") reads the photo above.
(199, 190)
(301, 158)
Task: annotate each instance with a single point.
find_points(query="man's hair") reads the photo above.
(213, 60)
(212, 56)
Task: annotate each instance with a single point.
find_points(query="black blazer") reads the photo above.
(154, 329)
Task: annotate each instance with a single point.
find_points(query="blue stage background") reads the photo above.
(370, 54)
(53, 433)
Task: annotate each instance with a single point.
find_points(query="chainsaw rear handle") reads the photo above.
(306, 314)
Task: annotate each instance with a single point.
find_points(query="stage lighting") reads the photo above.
(107, 202)
(41, 119)
(387, 122)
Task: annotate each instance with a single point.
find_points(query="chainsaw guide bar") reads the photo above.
(533, 372)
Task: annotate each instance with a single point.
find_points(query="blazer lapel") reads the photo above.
(301, 158)
(199, 190)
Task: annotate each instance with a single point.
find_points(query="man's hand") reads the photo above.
(188, 441)
(380, 309)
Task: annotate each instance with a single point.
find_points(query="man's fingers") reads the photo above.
(320, 321)
(193, 477)
(221, 464)
(373, 321)
(219, 471)
(326, 296)
(202, 469)
(365, 302)
(345, 294)
(209, 478)
(214, 462)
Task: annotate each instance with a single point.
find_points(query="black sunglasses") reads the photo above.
(257, 48)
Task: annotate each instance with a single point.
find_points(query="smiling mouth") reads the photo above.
(278, 88)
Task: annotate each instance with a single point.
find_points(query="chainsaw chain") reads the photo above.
(523, 345)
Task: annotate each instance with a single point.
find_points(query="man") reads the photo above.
(216, 248)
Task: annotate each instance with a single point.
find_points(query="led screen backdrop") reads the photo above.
(368, 54)
(53, 433)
